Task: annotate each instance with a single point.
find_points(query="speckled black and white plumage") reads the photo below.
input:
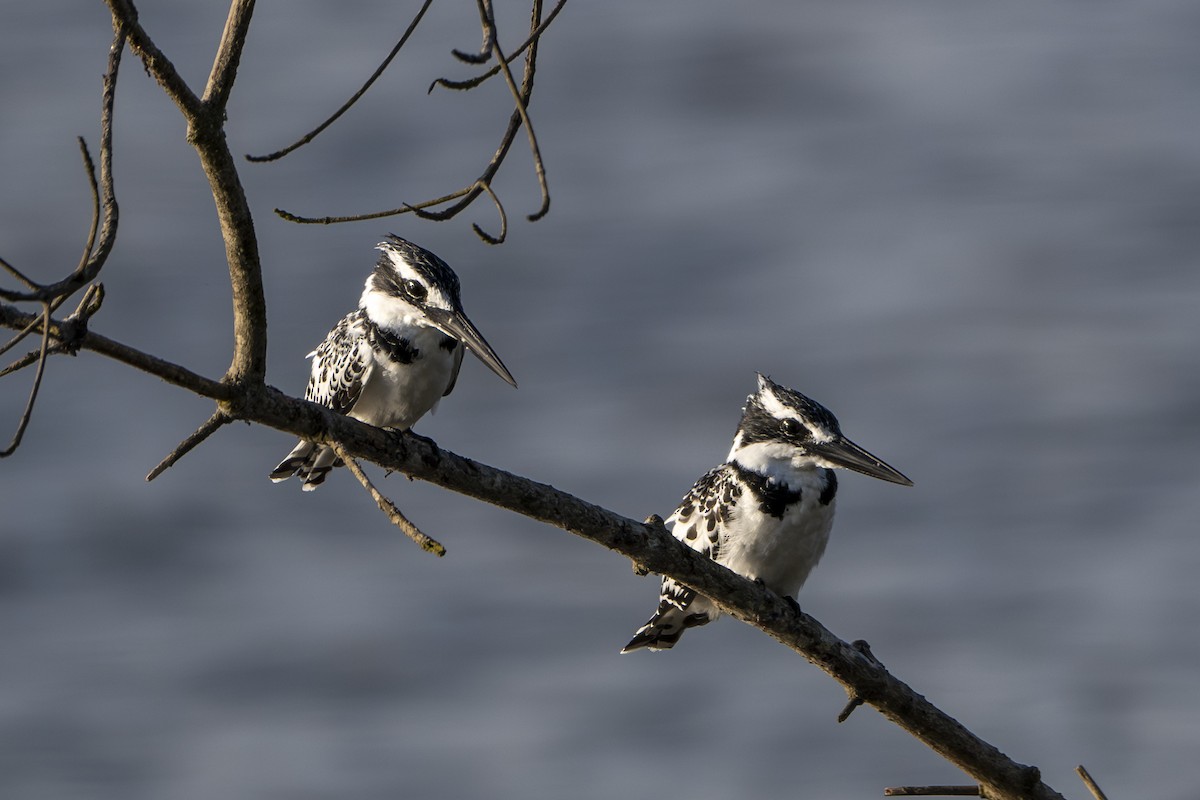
(767, 511)
(388, 362)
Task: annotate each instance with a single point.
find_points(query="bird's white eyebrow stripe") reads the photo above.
(775, 407)
(781, 410)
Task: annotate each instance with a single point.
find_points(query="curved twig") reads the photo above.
(315, 132)
(405, 209)
(468, 194)
(471, 83)
(487, 22)
(503, 220)
(104, 201)
(521, 98)
(27, 414)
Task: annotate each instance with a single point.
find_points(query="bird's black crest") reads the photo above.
(760, 425)
(433, 271)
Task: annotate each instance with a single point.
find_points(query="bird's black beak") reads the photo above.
(456, 324)
(845, 453)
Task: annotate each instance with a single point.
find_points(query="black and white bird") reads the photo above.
(390, 361)
(767, 511)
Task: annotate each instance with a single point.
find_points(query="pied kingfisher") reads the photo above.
(767, 511)
(392, 359)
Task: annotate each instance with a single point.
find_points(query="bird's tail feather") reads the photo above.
(663, 630)
(308, 461)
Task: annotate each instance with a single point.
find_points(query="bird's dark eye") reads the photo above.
(415, 290)
(790, 427)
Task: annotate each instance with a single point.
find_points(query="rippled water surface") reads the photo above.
(970, 229)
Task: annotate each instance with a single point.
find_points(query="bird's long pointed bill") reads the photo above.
(461, 328)
(846, 453)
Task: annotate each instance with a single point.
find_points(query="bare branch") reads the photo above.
(651, 547)
(315, 132)
(503, 220)
(103, 196)
(90, 168)
(16, 273)
(932, 791)
(487, 22)
(210, 426)
(125, 19)
(73, 338)
(229, 54)
(27, 414)
(406, 208)
(521, 97)
(658, 552)
(471, 83)
(1086, 777)
(388, 507)
(481, 184)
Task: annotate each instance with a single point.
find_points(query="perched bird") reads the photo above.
(392, 359)
(767, 511)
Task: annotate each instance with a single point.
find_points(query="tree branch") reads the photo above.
(210, 426)
(104, 201)
(125, 18)
(393, 513)
(243, 395)
(656, 551)
(648, 546)
(74, 336)
(229, 55)
(519, 117)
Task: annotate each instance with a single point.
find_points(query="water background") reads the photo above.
(971, 229)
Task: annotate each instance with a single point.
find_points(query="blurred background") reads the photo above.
(970, 229)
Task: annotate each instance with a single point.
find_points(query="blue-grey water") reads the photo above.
(971, 229)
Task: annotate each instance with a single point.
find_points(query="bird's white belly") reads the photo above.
(779, 552)
(396, 395)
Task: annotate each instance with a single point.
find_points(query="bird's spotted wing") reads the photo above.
(341, 364)
(698, 522)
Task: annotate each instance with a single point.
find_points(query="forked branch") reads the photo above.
(463, 198)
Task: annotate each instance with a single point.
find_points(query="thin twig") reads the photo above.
(1091, 785)
(27, 414)
(16, 273)
(520, 97)
(73, 339)
(17, 339)
(856, 698)
(308, 137)
(932, 791)
(211, 426)
(95, 254)
(468, 195)
(125, 19)
(487, 21)
(503, 220)
(89, 168)
(388, 507)
(471, 83)
(473, 190)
